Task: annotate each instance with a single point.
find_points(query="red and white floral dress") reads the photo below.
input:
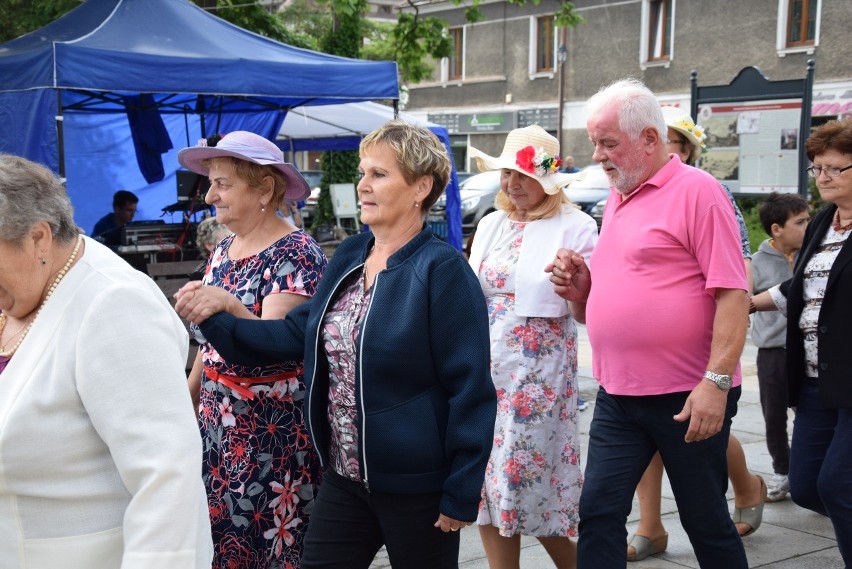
(533, 477)
(260, 469)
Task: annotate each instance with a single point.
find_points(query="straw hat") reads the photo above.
(679, 120)
(246, 146)
(532, 152)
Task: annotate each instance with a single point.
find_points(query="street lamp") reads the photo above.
(561, 58)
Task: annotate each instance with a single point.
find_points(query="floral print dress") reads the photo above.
(533, 478)
(260, 469)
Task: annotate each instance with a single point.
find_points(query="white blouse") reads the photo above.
(100, 454)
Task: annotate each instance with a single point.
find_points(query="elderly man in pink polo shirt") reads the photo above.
(666, 310)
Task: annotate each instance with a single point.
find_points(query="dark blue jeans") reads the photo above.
(625, 433)
(821, 464)
(349, 525)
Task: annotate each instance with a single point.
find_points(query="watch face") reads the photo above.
(722, 381)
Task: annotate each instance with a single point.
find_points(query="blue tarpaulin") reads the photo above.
(65, 87)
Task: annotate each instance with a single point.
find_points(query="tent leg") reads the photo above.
(60, 135)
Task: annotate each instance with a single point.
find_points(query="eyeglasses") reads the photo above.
(676, 141)
(830, 171)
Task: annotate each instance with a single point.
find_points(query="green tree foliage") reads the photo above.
(19, 17)
(344, 38)
(253, 17)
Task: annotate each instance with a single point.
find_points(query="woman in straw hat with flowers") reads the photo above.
(259, 466)
(533, 478)
(686, 140)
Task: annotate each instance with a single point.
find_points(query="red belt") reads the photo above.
(241, 384)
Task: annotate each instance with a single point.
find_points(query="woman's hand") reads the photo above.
(446, 524)
(196, 302)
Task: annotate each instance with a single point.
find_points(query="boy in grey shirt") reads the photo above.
(784, 217)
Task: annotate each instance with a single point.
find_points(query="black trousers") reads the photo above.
(772, 379)
(349, 525)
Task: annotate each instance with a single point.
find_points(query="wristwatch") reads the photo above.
(722, 381)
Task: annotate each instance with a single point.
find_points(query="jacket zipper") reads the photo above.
(316, 351)
(365, 474)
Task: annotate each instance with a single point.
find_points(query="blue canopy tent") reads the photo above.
(342, 126)
(106, 95)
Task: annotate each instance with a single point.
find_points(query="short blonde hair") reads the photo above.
(418, 153)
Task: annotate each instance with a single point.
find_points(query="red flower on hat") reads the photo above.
(524, 159)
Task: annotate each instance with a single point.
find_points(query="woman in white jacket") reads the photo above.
(100, 455)
(533, 478)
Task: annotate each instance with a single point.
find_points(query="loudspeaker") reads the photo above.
(191, 186)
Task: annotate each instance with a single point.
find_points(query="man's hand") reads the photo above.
(446, 524)
(570, 276)
(705, 409)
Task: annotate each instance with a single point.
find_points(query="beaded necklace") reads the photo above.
(835, 224)
(8, 353)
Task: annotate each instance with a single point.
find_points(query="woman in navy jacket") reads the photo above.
(818, 303)
(400, 403)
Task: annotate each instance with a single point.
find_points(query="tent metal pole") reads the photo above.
(396, 108)
(59, 135)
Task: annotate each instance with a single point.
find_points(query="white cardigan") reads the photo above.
(100, 453)
(534, 296)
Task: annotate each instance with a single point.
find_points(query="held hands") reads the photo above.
(196, 302)
(570, 276)
(705, 409)
(446, 524)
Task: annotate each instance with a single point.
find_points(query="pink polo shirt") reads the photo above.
(661, 254)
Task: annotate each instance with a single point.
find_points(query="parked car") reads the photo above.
(477, 195)
(598, 211)
(590, 190)
(313, 177)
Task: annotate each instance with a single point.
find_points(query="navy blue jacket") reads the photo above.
(426, 402)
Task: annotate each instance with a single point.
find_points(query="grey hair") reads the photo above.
(30, 193)
(638, 107)
(209, 232)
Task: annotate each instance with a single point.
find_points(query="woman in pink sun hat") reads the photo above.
(260, 469)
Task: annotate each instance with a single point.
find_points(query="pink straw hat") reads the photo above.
(246, 146)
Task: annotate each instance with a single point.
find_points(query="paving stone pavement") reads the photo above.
(789, 538)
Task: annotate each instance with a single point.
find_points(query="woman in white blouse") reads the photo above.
(100, 455)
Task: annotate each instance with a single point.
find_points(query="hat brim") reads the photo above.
(193, 159)
(551, 183)
(692, 139)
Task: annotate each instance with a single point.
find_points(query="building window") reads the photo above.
(544, 60)
(660, 28)
(798, 26)
(456, 59)
(801, 23)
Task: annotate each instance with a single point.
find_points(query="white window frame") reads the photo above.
(645, 38)
(445, 61)
(534, 73)
(781, 35)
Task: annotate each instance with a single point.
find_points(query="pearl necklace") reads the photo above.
(8, 353)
